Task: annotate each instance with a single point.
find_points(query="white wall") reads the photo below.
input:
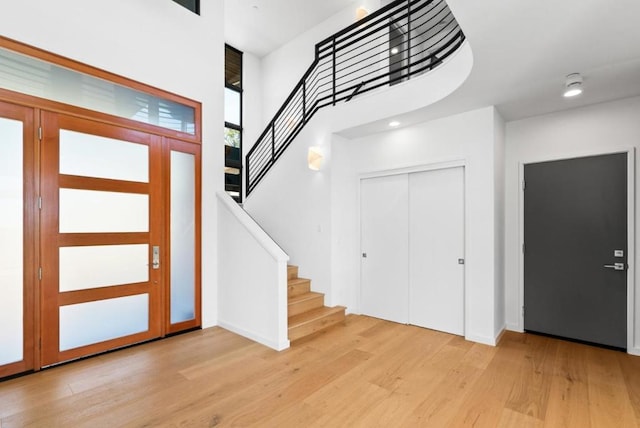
(155, 42)
(499, 207)
(596, 129)
(252, 121)
(469, 137)
(253, 269)
(293, 205)
(283, 68)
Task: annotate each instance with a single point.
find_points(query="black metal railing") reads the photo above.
(401, 40)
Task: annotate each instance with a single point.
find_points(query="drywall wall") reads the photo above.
(252, 120)
(468, 137)
(284, 67)
(597, 129)
(499, 207)
(253, 269)
(158, 43)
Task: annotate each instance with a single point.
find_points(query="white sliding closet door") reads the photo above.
(412, 238)
(384, 255)
(436, 242)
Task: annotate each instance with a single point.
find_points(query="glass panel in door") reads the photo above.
(101, 223)
(17, 210)
(184, 243)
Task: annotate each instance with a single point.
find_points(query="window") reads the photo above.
(233, 123)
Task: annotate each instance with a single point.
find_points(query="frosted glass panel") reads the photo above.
(183, 221)
(232, 106)
(93, 156)
(93, 322)
(87, 211)
(11, 250)
(101, 266)
(31, 76)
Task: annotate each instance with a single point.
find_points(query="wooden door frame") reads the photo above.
(51, 124)
(30, 236)
(169, 145)
(632, 348)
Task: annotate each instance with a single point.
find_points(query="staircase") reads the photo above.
(404, 39)
(306, 311)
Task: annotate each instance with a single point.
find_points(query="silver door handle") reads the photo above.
(615, 266)
(155, 257)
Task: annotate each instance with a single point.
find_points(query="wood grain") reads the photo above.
(369, 373)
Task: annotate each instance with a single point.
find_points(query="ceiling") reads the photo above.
(522, 50)
(262, 26)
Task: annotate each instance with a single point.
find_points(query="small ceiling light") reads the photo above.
(394, 124)
(361, 12)
(315, 158)
(573, 85)
(394, 50)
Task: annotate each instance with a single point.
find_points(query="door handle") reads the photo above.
(155, 259)
(616, 266)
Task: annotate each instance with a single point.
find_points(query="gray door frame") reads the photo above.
(633, 346)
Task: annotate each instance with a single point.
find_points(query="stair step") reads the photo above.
(315, 320)
(292, 272)
(298, 286)
(304, 302)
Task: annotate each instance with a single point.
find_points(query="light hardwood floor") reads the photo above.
(370, 373)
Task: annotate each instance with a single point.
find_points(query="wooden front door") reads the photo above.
(102, 237)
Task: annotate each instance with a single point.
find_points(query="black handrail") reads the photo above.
(402, 39)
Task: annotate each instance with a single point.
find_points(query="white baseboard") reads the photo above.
(273, 344)
(634, 351)
(515, 327)
(485, 340)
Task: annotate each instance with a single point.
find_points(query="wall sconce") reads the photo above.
(361, 12)
(315, 158)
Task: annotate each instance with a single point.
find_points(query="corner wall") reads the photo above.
(596, 129)
(158, 43)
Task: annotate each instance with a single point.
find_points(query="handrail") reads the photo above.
(253, 228)
(403, 39)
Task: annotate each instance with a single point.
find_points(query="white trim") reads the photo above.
(278, 346)
(445, 164)
(485, 340)
(631, 291)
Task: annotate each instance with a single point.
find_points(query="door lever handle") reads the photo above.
(616, 266)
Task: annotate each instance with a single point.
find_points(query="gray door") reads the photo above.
(575, 231)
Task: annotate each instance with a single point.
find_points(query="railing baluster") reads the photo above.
(273, 141)
(333, 53)
(358, 58)
(304, 101)
(409, 37)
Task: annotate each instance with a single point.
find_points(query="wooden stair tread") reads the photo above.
(313, 315)
(294, 281)
(302, 297)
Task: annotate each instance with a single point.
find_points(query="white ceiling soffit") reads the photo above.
(261, 26)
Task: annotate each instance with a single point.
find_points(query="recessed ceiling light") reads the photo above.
(394, 124)
(394, 50)
(573, 85)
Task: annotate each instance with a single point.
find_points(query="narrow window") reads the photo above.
(233, 123)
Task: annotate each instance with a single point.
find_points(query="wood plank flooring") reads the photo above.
(371, 373)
